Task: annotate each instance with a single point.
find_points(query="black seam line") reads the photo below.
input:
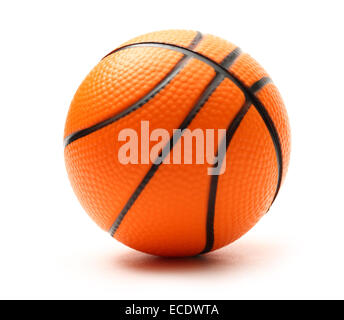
(246, 90)
(160, 86)
(192, 45)
(232, 128)
(230, 59)
(257, 86)
(149, 175)
(209, 90)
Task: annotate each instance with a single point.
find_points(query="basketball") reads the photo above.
(177, 143)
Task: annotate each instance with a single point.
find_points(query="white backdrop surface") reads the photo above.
(49, 248)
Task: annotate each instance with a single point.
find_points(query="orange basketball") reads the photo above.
(181, 83)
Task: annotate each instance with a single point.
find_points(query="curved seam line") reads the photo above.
(192, 45)
(246, 90)
(231, 130)
(205, 96)
(142, 101)
(260, 84)
(203, 100)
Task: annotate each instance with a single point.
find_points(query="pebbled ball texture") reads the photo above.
(170, 215)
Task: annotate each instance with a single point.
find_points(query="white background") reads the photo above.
(49, 247)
